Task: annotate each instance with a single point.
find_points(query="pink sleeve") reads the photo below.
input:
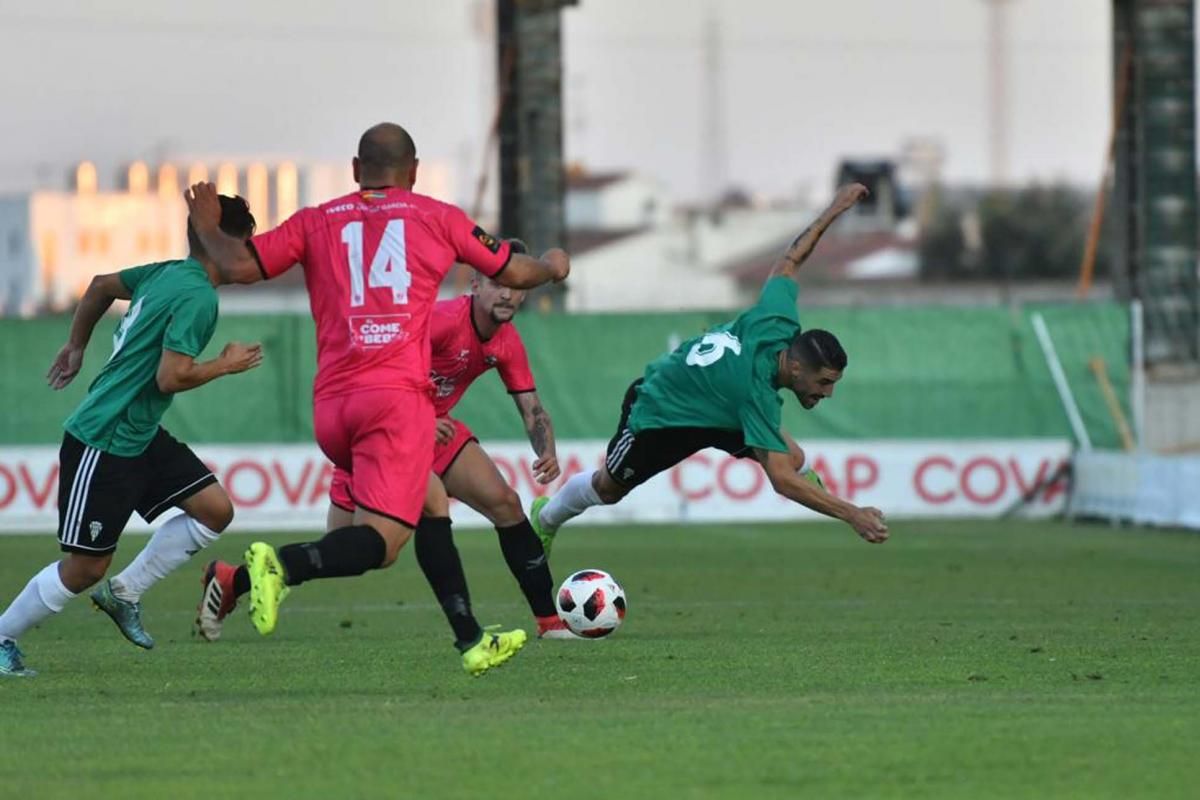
(514, 366)
(281, 248)
(441, 326)
(475, 246)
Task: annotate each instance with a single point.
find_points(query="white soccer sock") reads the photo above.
(575, 497)
(42, 597)
(175, 541)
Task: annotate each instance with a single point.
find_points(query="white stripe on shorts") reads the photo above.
(618, 453)
(76, 488)
(79, 494)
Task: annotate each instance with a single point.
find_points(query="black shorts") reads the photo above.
(98, 491)
(634, 458)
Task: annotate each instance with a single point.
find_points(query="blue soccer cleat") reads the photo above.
(12, 663)
(127, 615)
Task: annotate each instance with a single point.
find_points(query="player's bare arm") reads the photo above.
(99, 296)
(178, 372)
(233, 258)
(867, 522)
(540, 431)
(795, 451)
(526, 272)
(802, 246)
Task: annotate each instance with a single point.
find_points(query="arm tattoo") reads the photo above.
(796, 242)
(537, 425)
(537, 434)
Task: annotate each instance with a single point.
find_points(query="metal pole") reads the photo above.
(1060, 382)
(1137, 384)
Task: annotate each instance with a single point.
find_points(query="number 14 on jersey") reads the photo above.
(389, 266)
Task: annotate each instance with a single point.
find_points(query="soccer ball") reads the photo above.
(591, 603)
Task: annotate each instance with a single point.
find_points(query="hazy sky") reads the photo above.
(801, 83)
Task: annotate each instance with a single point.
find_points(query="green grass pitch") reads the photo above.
(960, 660)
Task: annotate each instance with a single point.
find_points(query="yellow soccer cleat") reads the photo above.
(492, 651)
(267, 589)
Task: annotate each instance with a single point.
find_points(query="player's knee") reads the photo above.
(506, 509)
(218, 515)
(608, 490)
(436, 506)
(609, 495)
(212, 508)
(393, 543)
(79, 571)
(390, 555)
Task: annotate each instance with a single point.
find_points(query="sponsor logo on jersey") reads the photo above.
(486, 239)
(443, 384)
(369, 332)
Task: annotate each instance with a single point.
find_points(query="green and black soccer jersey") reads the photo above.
(173, 307)
(725, 379)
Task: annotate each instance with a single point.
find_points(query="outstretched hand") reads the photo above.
(559, 261)
(239, 357)
(869, 524)
(444, 432)
(204, 208)
(545, 469)
(65, 366)
(849, 196)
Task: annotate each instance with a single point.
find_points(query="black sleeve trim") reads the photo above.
(254, 252)
(503, 266)
(515, 392)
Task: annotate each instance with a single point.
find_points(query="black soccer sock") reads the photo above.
(438, 558)
(298, 559)
(241, 581)
(526, 560)
(341, 553)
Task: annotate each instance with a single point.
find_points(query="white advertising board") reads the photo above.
(285, 487)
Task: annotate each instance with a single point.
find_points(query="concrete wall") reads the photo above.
(18, 269)
(1173, 414)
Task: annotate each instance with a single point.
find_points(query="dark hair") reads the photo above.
(386, 146)
(518, 246)
(236, 220)
(817, 349)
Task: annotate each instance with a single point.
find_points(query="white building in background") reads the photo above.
(630, 253)
(53, 242)
(614, 200)
(683, 264)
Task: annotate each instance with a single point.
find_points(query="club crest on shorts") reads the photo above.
(94, 529)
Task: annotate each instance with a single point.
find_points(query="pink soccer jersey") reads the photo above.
(460, 356)
(373, 261)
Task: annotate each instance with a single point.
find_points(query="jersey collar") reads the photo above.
(474, 326)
